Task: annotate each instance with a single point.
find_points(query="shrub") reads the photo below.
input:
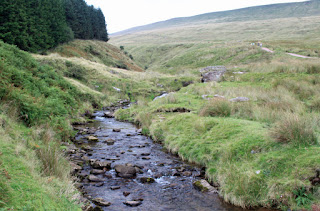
(294, 129)
(216, 107)
(121, 65)
(75, 71)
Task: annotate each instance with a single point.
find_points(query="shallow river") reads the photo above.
(172, 189)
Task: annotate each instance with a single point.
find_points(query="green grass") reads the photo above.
(37, 106)
(256, 153)
(23, 184)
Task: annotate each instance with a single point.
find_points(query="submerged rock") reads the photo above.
(92, 138)
(101, 202)
(187, 173)
(126, 193)
(109, 142)
(115, 187)
(147, 180)
(93, 178)
(97, 171)
(108, 115)
(133, 203)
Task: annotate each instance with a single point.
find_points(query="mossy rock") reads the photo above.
(199, 186)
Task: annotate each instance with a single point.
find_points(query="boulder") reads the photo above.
(116, 130)
(212, 76)
(125, 171)
(212, 73)
(109, 141)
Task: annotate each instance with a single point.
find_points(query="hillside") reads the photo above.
(255, 133)
(275, 11)
(41, 95)
(174, 48)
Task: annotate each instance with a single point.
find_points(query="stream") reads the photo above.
(162, 182)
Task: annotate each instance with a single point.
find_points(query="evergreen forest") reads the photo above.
(36, 25)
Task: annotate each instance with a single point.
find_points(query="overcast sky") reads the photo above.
(124, 14)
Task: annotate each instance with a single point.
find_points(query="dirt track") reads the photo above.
(291, 54)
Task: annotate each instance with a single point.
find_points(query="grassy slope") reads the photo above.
(261, 152)
(90, 72)
(34, 174)
(39, 99)
(193, 46)
(267, 12)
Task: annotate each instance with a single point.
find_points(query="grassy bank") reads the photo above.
(36, 109)
(262, 152)
(41, 95)
(34, 174)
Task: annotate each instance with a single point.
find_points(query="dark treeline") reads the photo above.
(35, 25)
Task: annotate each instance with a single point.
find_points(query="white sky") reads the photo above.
(124, 14)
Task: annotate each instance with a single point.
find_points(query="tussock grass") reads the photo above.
(294, 129)
(217, 108)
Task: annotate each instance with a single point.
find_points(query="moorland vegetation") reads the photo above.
(262, 152)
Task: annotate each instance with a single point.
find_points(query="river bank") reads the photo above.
(117, 167)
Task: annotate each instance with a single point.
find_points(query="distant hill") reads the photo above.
(274, 11)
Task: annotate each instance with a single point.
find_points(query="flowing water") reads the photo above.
(173, 187)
